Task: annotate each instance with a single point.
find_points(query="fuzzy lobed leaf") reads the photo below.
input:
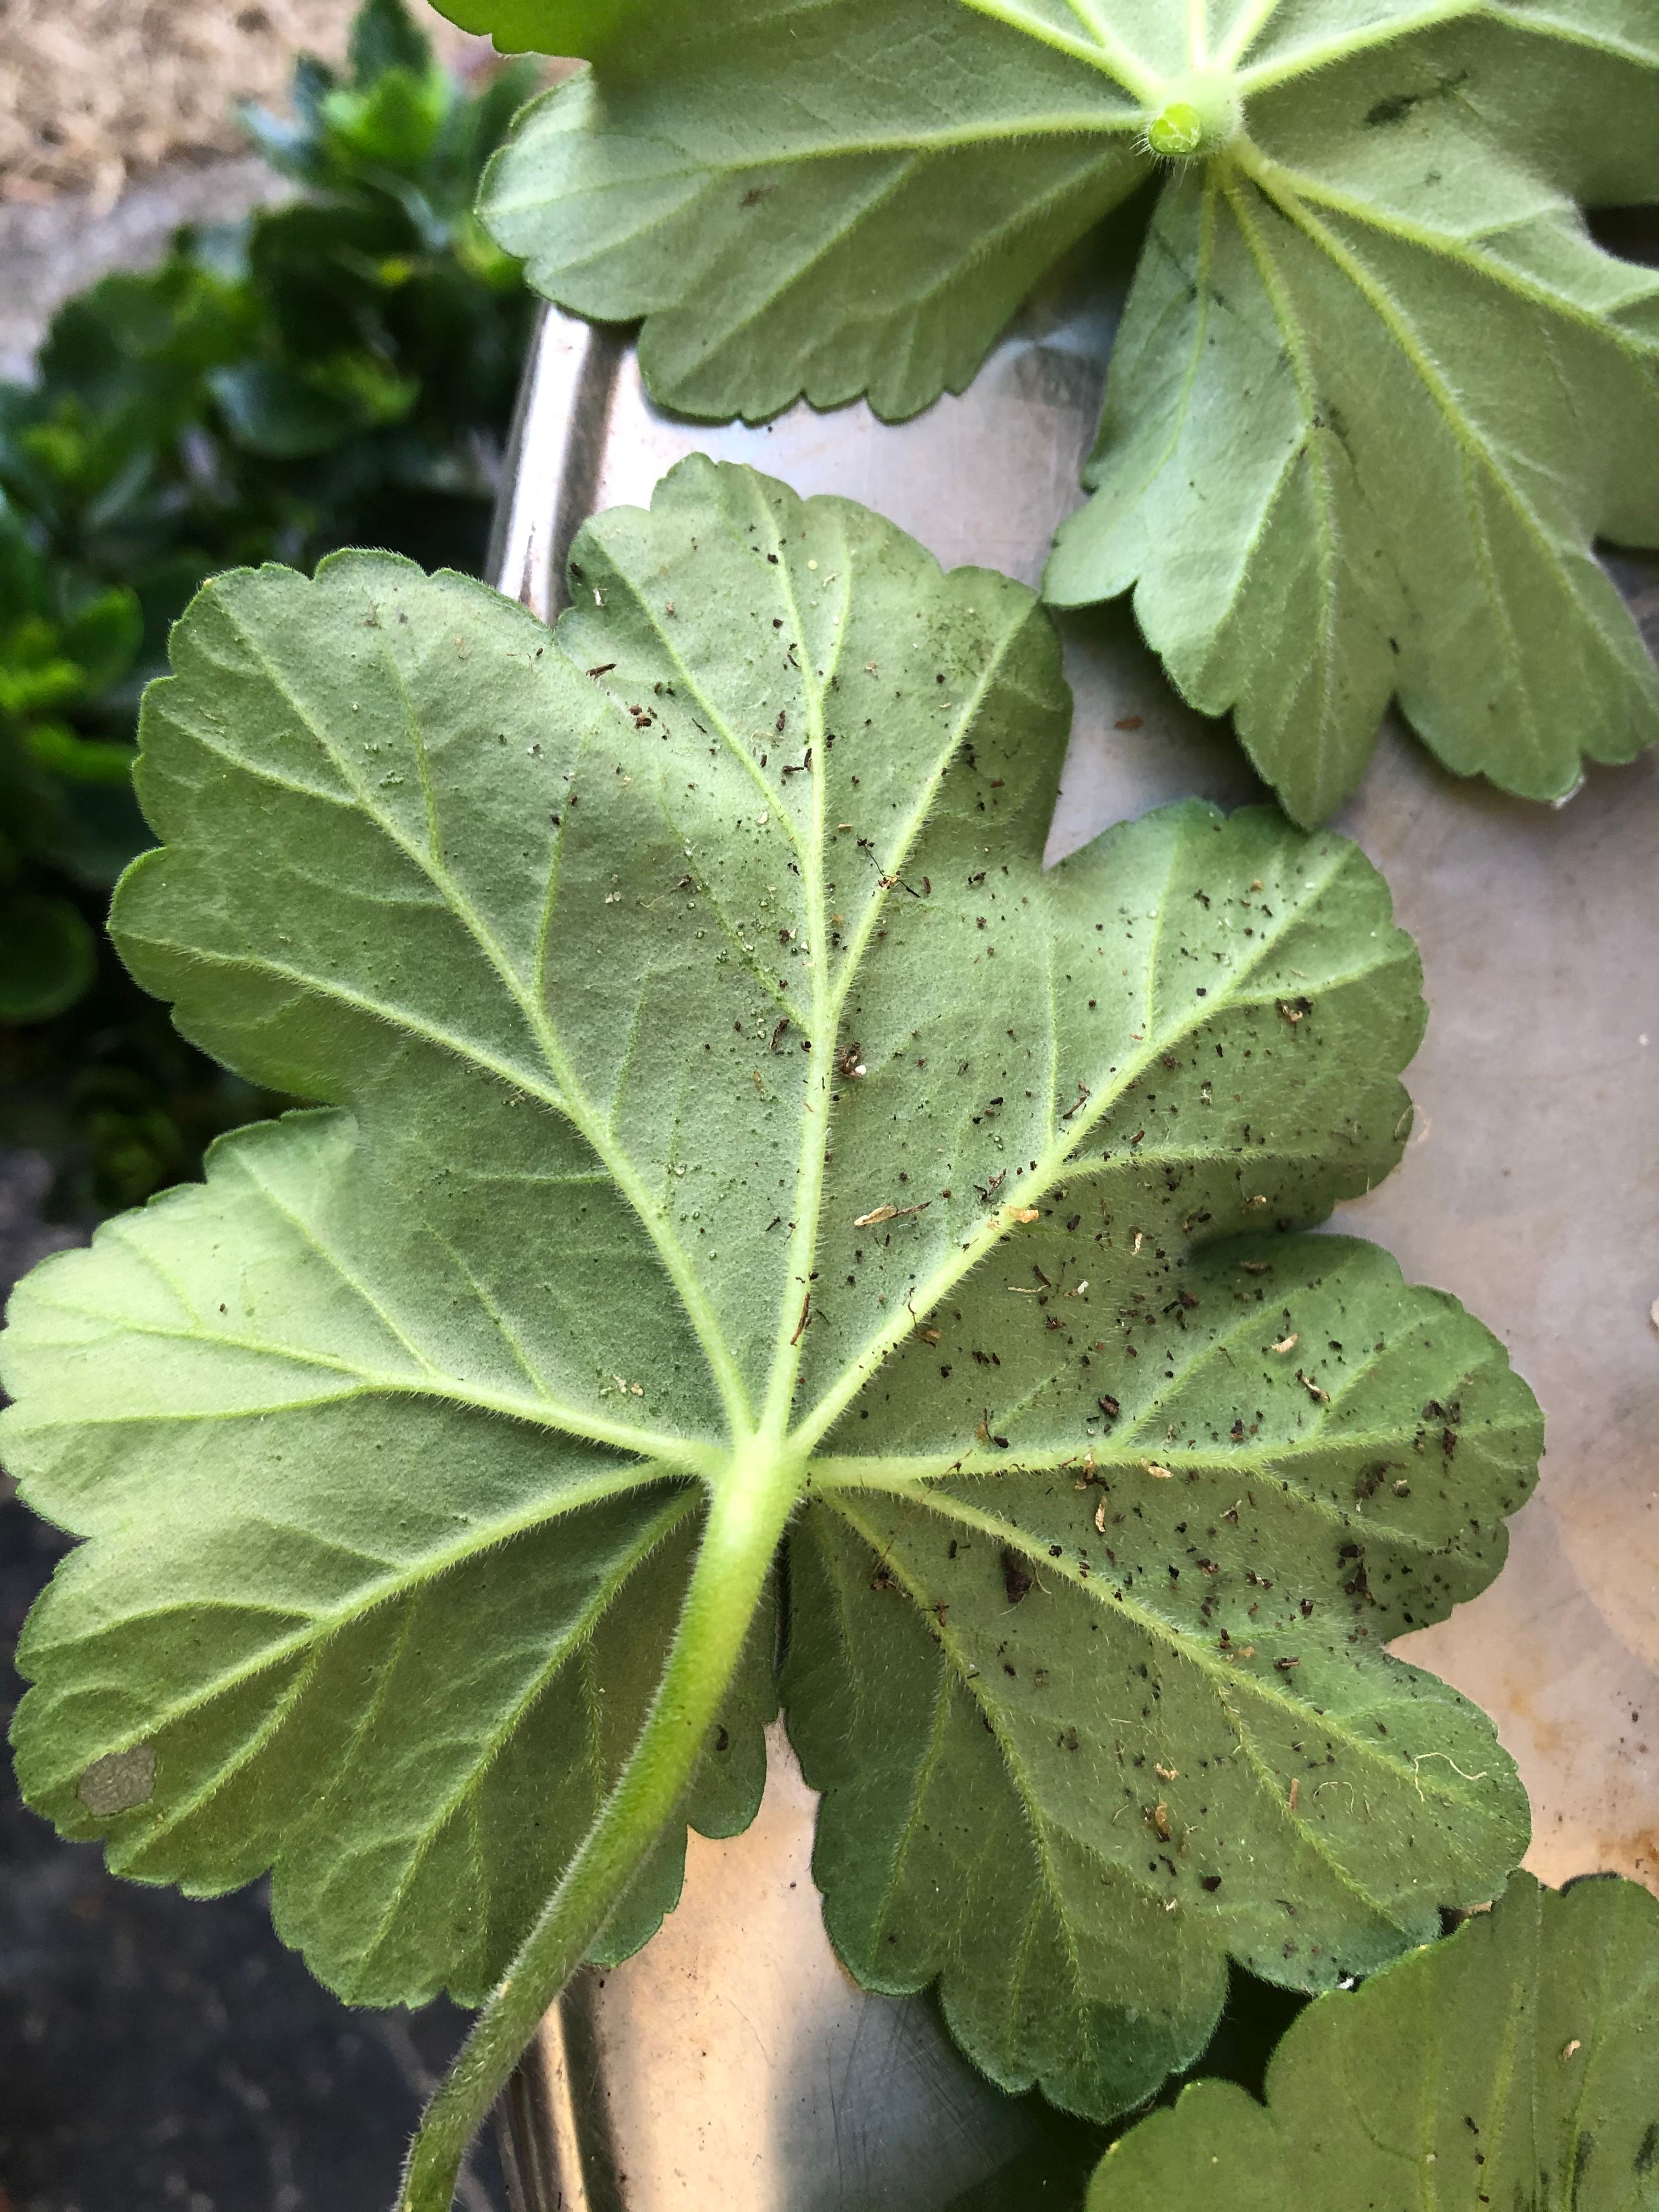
(1182, 1668)
(1513, 2063)
(713, 1077)
(1377, 391)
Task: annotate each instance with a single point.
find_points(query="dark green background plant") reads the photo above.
(338, 369)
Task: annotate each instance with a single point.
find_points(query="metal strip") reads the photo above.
(554, 2148)
(552, 2120)
(553, 458)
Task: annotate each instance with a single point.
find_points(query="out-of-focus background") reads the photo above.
(118, 120)
(227, 333)
(97, 96)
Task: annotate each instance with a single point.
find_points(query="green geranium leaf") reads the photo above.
(827, 201)
(1377, 389)
(1513, 2064)
(729, 1124)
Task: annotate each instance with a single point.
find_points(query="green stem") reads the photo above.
(749, 1506)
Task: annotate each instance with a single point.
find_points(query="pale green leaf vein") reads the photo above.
(319, 1629)
(568, 1097)
(1223, 1679)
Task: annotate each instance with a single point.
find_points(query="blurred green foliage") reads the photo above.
(338, 369)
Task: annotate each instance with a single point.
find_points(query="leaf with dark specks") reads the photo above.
(733, 1137)
(1515, 2065)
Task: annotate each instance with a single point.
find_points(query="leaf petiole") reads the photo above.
(749, 1507)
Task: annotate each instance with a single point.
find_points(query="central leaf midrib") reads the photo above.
(808, 1199)
(542, 1413)
(571, 1098)
(1263, 75)
(1085, 123)
(1132, 1447)
(898, 1471)
(829, 998)
(1390, 223)
(1100, 51)
(1249, 26)
(903, 1483)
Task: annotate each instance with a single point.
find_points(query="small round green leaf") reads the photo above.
(1516, 2063)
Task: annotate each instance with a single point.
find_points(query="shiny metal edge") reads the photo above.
(555, 2150)
(557, 439)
